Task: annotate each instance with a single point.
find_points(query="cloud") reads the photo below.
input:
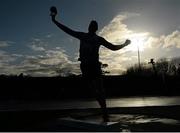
(172, 40)
(49, 35)
(37, 45)
(37, 48)
(17, 55)
(53, 63)
(5, 43)
(6, 63)
(117, 32)
(38, 67)
(45, 63)
(6, 58)
(165, 42)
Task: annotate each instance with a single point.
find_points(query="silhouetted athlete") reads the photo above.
(89, 57)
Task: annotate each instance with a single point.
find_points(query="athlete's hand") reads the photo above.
(53, 13)
(127, 42)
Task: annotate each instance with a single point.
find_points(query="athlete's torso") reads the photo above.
(89, 48)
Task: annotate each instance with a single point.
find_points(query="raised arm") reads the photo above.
(114, 47)
(64, 28)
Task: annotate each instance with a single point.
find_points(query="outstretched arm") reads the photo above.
(114, 47)
(65, 28)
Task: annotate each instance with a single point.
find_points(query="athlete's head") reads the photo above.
(93, 26)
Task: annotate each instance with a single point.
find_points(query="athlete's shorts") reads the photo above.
(91, 70)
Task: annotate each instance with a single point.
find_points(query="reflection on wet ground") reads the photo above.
(133, 114)
(84, 104)
(144, 101)
(146, 123)
(129, 122)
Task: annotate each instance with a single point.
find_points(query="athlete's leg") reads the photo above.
(101, 97)
(95, 82)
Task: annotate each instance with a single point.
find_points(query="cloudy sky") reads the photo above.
(31, 44)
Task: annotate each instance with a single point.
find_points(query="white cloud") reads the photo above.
(46, 62)
(172, 40)
(17, 55)
(5, 43)
(37, 48)
(6, 61)
(49, 62)
(117, 32)
(37, 45)
(6, 58)
(165, 42)
(53, 63)
(49, 35)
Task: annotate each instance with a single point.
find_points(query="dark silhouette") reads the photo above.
(178, 70)
(153, 65)
(89, 57)
(173, 69)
